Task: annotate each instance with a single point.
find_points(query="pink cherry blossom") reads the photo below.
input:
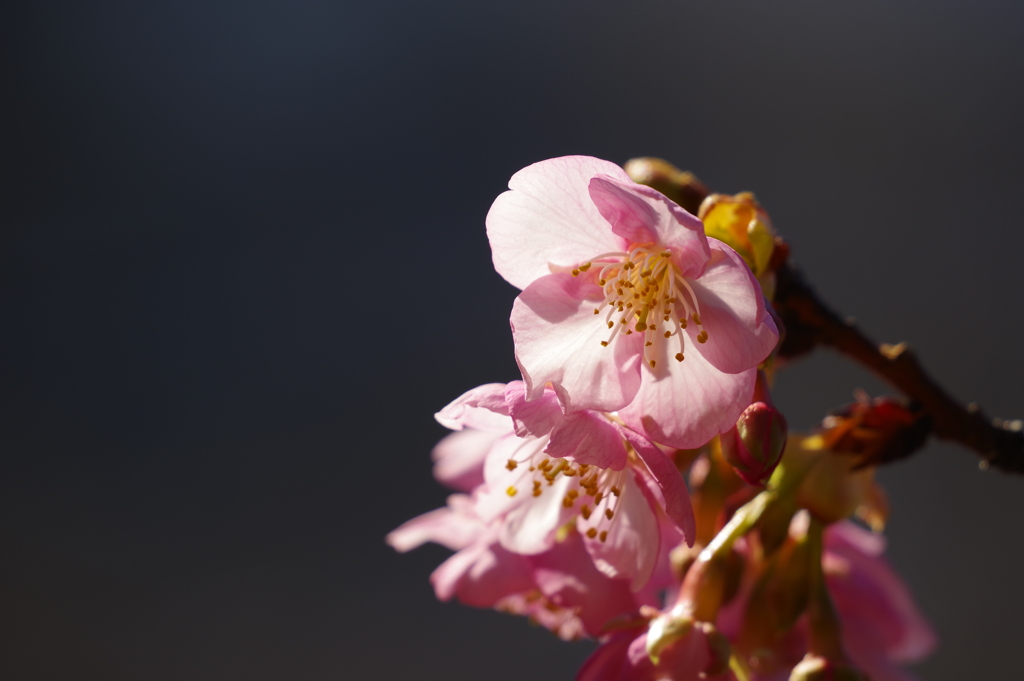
(626, 304)
(569, 520)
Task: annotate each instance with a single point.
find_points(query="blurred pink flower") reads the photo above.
(882, 626)
(626, 305)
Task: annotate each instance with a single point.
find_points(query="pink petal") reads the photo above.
(566, 574)
(481, 574)
(630, 549)
(606, 663)
(589, 438)
(459, 458)
(535, 417)
(741, 333)
(441, 526)
(685, 404)
(640, 214)
(584, 437)
(482, 408)
(675, 496)
(548, 218)
(558, 340)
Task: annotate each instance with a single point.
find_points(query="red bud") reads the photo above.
(755, 444)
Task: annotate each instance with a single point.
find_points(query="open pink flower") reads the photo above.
(626, 302)
(623, 493)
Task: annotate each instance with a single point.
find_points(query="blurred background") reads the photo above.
(243, 261)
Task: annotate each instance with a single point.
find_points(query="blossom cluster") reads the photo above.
(638, 486)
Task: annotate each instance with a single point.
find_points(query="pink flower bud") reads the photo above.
(816, 668)
(755, 444)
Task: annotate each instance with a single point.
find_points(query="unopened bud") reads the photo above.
(680, 186)
(817, 668)
(740, 222)
(665, 630)
(756, 443)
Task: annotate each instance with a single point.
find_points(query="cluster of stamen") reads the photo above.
(592, 485)
(645, 293)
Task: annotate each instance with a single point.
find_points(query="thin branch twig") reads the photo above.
(810, 322)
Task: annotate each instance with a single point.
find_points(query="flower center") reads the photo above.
(596, 490)
(644, 292)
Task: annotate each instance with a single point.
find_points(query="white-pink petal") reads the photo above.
(558, 340)
(459, 458)
(530, 527)
(740, 332)
(454, 527)
(548, 219)
(631, 543)
(482, 408)
(685, 404)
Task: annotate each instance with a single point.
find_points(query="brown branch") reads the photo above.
(809, 323)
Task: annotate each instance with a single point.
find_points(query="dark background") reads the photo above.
(242, 262)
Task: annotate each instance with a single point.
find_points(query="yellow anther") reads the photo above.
(511, 465)
(641, 326)
(702, 337)
(598, 497)
(596, 311)
(653, 363)
(537, 492)
(585, 512)
(602, 282)
(604, 344)
(682, 323)
(573, 493)
(585, 266)
(567, 502)
(666, 254)
(648, 344)
(604, 536)
(575, 273)
(616, 491)
(511, 491)
(608, 513)
(592, 533)
(696, 318)
(667, 334)
(679, 357)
